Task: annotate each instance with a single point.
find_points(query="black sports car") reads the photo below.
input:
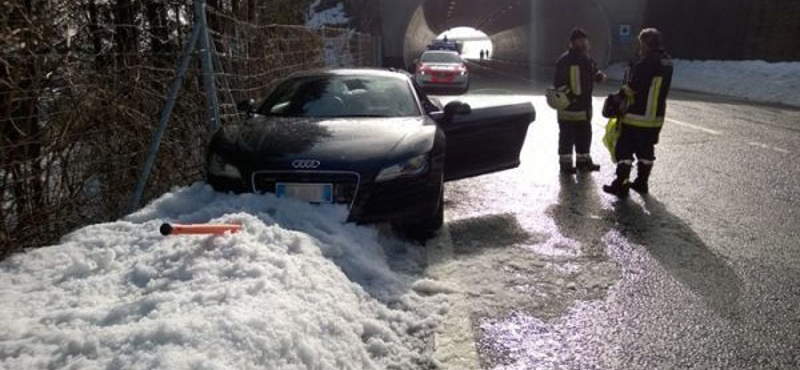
(370, 139)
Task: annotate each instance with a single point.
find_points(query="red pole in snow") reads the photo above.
(198, 229)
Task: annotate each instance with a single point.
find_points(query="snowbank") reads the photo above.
(297, 289)
(753, 80)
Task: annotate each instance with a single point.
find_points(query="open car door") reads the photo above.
(486, 140)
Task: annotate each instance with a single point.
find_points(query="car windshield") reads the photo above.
(441, 58)
(342, 96)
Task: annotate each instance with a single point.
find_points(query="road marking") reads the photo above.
(689, 125)
(453, 340)
(765, 146)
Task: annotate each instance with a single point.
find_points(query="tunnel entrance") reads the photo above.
(529, 31)
(471, 41)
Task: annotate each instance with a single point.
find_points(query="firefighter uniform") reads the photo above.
(576, 73)
(647, 89)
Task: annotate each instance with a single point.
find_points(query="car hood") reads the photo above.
(273, 142)
(443, 66)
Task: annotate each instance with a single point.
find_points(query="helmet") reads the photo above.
(557, 99)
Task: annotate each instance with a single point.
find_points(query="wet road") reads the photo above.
(702, 274)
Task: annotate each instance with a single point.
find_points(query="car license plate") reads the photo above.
(312, 193)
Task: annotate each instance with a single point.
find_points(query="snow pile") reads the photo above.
(330, 17)
(121, 296)
(753, 80)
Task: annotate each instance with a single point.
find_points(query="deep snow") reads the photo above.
(752, 80)
(297, 289)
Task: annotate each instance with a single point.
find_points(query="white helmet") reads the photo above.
(557, 98)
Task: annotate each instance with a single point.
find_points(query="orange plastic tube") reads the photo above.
(199, 229)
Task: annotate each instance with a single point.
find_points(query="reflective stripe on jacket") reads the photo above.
(649, 87)
(576, 70)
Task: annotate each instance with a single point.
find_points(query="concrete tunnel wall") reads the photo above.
(418, 36)
(539, 40)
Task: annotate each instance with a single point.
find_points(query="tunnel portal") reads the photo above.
(529, 31)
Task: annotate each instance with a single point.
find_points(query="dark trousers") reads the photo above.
(574, 135)
(637, 141)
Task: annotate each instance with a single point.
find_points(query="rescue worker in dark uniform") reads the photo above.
(576, 73)
(646, 93)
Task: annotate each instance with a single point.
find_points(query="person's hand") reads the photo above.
(600, 77)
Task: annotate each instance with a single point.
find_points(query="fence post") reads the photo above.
(359, 49)
(378, 45)
(175, 88)
(207, 63)
(325, 57)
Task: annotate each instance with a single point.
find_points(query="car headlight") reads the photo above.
(218, 167)
(413, 167)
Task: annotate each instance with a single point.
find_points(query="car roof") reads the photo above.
(368, 72)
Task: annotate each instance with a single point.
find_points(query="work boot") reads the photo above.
(620, 187)
(565, 163)
(585, 164)
(642, 176)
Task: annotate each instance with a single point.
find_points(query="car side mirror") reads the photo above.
(247, 107)
(456, 108)
(452, 109)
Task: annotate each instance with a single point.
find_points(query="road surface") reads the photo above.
(702, 274)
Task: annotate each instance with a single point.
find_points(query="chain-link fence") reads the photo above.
(82, 85)
(251, 58)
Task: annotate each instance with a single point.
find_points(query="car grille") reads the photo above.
(396, 195)
(345, 184)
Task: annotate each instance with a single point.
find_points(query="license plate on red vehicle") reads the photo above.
(312, 193)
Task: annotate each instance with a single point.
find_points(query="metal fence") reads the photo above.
(83, 85)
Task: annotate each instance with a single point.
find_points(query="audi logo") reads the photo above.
(306, 164)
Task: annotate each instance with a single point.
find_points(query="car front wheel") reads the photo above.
(424, 229)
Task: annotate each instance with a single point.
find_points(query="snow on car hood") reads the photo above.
(297, 289)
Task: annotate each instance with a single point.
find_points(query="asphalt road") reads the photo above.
(702, 274)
